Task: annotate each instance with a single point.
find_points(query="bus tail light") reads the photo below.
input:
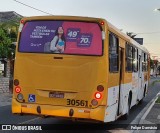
(17, 89)
(102, 23)
(100, 88)
(20, 96)
(22, 21)
(94, 102)
(16, 82)
(98, 95)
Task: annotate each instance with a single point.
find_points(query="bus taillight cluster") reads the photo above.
(18, 90)
(97, 95)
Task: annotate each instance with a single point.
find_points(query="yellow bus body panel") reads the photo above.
(59, 111)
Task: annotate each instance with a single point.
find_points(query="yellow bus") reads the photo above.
(79, 68)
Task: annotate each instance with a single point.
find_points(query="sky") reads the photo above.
(137, 16)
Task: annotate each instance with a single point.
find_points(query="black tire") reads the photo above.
(128, 108)
(141, 101)
(144, 94)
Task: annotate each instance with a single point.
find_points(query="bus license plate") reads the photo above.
(56, 95)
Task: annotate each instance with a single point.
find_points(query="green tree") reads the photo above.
(5, 43)
(11, 28)
(9, 31)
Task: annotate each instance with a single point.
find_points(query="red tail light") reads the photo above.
(22, 21)
(100, 88)
(94, 102)
(17, 89)
(98, 95)
(16, 82)
(102, 23)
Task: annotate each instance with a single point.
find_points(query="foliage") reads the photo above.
(8, 34)
(158, 100)
(5, 42)
(11, 27)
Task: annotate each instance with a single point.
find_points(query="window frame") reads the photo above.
(144, 62)
(135, 54)
(127, 46)
(116, 54)
(101, 29)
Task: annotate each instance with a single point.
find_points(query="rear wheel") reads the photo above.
(144, 94)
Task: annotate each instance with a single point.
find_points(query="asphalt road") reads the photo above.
(6, 117)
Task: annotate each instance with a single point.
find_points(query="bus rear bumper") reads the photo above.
(58, 111)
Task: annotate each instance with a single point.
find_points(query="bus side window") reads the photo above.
(113, 53)
(129, 57)
(146, 62)
(143, 61)
(135, 60)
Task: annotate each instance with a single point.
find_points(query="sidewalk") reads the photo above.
(5, 99)
(151, 117)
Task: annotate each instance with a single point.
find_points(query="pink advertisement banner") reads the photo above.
(68, 37)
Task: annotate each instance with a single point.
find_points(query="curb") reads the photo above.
(150, 107)
(142, 120)
(143, 114)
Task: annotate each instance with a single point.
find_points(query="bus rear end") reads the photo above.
(60, 69)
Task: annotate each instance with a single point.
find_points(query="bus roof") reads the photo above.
(62, 18)
(126, 37)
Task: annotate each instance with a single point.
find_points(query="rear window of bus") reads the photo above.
(62, 37)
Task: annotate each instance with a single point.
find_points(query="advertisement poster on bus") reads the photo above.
(61, 37)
